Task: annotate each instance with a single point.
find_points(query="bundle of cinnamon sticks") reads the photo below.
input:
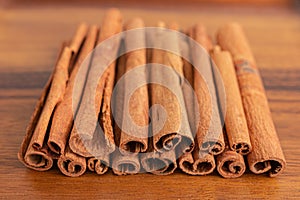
(170, 99)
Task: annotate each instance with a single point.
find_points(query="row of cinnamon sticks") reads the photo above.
(188, 105)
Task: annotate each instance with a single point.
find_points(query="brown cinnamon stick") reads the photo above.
(134, 139)
(235, 120)
(36, 159)
(230, 164)
(91, 140)
(78, 38)
(209, 133)
(64, 114)
(71, 164)
(169, 118)
(196, 162)
(267, 155)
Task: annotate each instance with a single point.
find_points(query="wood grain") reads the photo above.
(30, 38)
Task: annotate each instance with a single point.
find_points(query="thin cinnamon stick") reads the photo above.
(196, 162)
(71, 164)
(209, 133)
(230, 164)
(134, 139)
(91, 141)
(65, 112)
(39, 160)
(169, 118)
(235, 120)
(80, 35)
(267, 155)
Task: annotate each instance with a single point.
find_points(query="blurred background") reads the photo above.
(35, 29)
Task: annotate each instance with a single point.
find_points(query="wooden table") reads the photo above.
(30, 37)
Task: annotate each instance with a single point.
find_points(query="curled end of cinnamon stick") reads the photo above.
(100, 166)
(213, 148)
(127, 167)
(242, 148)
(159, 166)
(197, 166)
(71, 164)
(231, 164)
(37, 160)
(125, 164)
(273, 167)
(159, 163)
(133, 147)
(168, 142)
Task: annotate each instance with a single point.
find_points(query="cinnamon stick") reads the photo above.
(123, 163)
(230, 164)
(80, 35)
(169, 118)
(209, 133)
(65, 112)
(91, 140)
(37, 159)
(196, 162)
(267, 155)
(134, 139)
(71, 164)
(235, 120)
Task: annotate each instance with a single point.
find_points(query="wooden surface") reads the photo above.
(29, 40)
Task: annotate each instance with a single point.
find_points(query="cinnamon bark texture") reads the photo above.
(134, 139)
(209, 133)
(235, 120)
(169, 118)
(230, 164)
(196, 162)
(267, 155)
(37, 159)
(71, 164)
(87, 137)
(64, 114)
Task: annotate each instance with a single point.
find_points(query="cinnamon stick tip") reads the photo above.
(272, 166)
(133, 23)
